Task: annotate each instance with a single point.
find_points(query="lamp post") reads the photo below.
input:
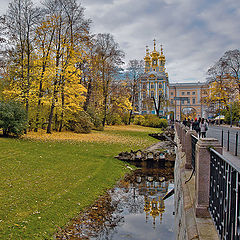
(231, 114)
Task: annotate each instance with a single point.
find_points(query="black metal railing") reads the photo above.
(224, 201)
(231, 140)
(194, 140)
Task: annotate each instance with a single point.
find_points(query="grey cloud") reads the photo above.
(194, 34)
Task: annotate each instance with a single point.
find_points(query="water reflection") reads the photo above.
(134, 209)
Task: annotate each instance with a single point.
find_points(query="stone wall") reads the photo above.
(180, 224)
(185, 218)
(192, 219)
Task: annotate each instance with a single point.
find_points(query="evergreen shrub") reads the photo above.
(13, 118)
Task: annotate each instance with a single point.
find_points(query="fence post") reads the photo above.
(228, 138)
(202, 179)
(222, 139)
(184, 133)
(236, 145)
(188, 144)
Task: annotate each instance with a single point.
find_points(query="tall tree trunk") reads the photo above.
(130, 116)
(104, 110)
(56, 80)
(50, 118)
(63, 106)
(28, 77)
(157, 107)
(89, 92)
(39, 104)
(40, 94)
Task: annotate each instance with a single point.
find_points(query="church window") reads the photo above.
(183, 93)
(144, 86)
(144, 94)
(193, 100)
(136, 97)
(193, 93)
(152, 94)
(152, 85)
(188, 93)
(159, 85)
(188, 100)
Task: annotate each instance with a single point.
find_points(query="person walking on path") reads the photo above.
(203, 128)
(188, 123)
(195, 126)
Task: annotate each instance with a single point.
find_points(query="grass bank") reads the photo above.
(47, 179)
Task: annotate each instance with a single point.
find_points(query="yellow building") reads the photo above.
(194, 105)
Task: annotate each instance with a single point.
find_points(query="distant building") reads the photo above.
(195, 94)
(156, 94)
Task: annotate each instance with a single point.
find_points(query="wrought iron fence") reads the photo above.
(194, 140)
(233, 141)
(224, 201)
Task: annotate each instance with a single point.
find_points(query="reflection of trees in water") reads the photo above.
(97, 221)
(139, 192)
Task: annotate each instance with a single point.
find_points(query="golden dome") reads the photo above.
(154, 54)
(147, 57)
(161, 57)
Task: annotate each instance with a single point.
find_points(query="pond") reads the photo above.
(134, 210)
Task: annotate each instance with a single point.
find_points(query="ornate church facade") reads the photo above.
(153, 84)
(157, 96)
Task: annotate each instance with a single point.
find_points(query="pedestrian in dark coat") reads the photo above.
(195, 126)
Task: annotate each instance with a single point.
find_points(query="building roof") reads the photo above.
(192, 84)
(156, 74)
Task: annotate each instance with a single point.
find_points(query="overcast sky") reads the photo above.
(194, 33)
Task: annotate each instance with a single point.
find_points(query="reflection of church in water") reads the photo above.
(153, 188)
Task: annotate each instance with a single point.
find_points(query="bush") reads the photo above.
(80, 123)
(114, 119)
(138, 120)
(13, 118)
(150, 121)
(96, 119)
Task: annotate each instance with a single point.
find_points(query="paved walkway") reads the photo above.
(234, 159)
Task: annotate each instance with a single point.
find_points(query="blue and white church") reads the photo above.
(153, 84)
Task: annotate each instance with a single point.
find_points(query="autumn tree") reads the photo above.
(70, 30)
(134, 70)
(21, 20)
(222, 84)
(55, 67)
(232, 60)
(119, 102)
(109, 56)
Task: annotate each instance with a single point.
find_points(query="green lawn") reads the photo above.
(43, 184)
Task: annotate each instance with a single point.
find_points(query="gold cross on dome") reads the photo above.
(161, 49)
(154, 41)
